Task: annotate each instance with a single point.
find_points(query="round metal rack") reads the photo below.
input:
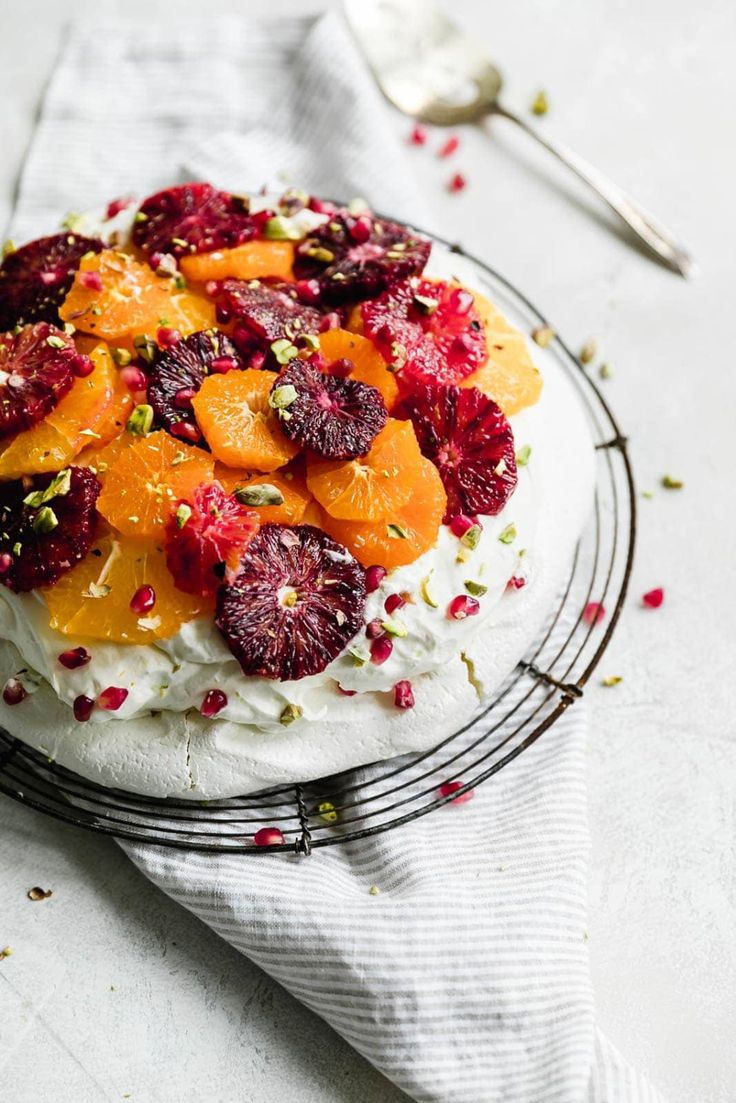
(377, 798)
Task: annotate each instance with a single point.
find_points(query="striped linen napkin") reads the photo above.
(465, 977)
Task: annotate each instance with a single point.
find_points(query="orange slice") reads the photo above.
(146, 479)
(370, 367)
(292, 487)
(374, 486)
(132, 299)
(189, 313)
(52, 443)
(240, 427)
(93, 599)
(251, 261)
(403, 536)
(509, 376)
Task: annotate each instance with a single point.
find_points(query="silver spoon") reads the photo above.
(430, 69)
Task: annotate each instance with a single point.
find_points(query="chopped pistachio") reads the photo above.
(259, 494)
(310, 341)
(45, 521)
(326, 811)
(279, 228)
(318, 253)
(359, 659)
(146, 347)
(463, 555)
(5, 952)
(282, 397)
(396, 532)
(121, 357)
(426, 595)
(424, 304)
(73, 222)
(522, 456)
(612, 680)
(141, 420)
(471, 538)
(69, 329)
(180, 242)
(57, 488)
(670, 483)
(290, 713)
(540, 103)
(543, 336)
(588, 351)
(97, 590)
(140, 216)
(604, 371)
(179, 457)
(55, 342)
(374, 890)
(183, 513)
(393, 627)
(17, 547)
(9, 247)
(284, 351)
(508, 535)
(477, 589)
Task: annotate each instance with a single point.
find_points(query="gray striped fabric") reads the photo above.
(465, 978)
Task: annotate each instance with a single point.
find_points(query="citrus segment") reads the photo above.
(93, 600)
(52, 443)
(145, 480)
(114, 295)
(373, 486)
(240, 427)
(509, 376)
(405, 534)
(369, 365)
(188, 313)
(291, 486)
(252, 261)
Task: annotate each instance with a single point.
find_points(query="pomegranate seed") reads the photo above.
(83, 707)
(308, 291)
(14, 692)
(186, 430)
(6, 562)
(457, 182)
(653, 598)
(462, 606)
(133, 378)
(222, 365)
(374, 576)
(381, 649)
(74, 658)
(223, 314)
(214, 701)
(117, 205)
(361, 229)
(418, 136)
(262, 217)
(516, 582)
(155, 260)
(143, 600)
(268, 836)
(257, 360)
(330, 321)
(593, 612)
(321, 206)
(91, 280)
(403, 695)
(449, 147)
(342, 367)
(112, 698)
(346, 692)
(460, 523)
(166, 337)
(461, 301)
(183, 398)
(82, 366)
(450, 787)
(374, 629)
(394, 602)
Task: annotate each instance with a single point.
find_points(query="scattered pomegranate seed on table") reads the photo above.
(462, 606)
(404, 695)
(381, 649)
(143, 600)
(83, 707)
(14, 692)
(457, 183)
(394, 602)
(268, 836)
(450, 787)
(593, 613)
(112, 698)
(516, 582)
(449, 147)
(652, 599)
(214, 701)
(418, 136)
(74, 658)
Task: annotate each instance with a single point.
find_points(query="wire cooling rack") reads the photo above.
(364, 802)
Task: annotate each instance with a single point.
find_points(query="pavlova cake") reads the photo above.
(281, 492)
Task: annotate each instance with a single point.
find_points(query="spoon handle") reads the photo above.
(656, 236)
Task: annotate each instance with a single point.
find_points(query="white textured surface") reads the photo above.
(641, 91)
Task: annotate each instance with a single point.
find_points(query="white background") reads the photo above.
(113, 989)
